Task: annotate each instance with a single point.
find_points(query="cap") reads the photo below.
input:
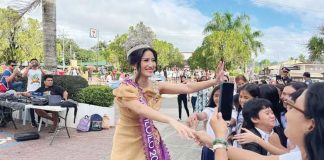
(285, 69)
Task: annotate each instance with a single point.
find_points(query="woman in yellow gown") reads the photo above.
(138, 100)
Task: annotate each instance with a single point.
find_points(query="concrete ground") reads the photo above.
(90, 145)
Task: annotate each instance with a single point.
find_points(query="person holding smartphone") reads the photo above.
(34, 74)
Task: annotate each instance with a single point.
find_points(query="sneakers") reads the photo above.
(34, 125)
(178, 119)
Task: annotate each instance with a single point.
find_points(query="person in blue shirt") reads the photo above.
(9, 77)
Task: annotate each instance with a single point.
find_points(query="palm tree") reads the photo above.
(316, 48)
(226, 21)
(322, 30)
(49, 26)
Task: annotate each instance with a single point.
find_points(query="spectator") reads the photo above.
(307, 78)
(285, 75)
(102, 73)
(50, 89)
(34, 75)
(260, 120)
(9, 77)
(90, 74)
(182, 98)
(240, 81)
(109, 77)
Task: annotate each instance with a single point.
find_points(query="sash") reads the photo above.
(154, 148)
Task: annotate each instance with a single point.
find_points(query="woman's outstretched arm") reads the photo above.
(171, 88)
(152, 114)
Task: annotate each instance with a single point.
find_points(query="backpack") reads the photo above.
(105, 122)
(95, 122)
(84, 124)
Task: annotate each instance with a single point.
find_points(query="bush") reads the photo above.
(72, 84)
(96, 95)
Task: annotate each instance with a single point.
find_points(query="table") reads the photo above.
(50, 108)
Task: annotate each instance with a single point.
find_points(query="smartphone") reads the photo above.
(226, 100)
(278, 77)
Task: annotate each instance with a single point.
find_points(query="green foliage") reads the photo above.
(84, 69)
(117, 53)
(19, 40)
(316, 48)
(71, 48)
(230, 38)
(96, 95)
(168, 55)
(72, 84)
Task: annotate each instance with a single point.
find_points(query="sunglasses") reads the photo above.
(291, 105)
(285, 71)
(13, 65)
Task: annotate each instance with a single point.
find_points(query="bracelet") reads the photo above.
(218, 146)
(220, 141)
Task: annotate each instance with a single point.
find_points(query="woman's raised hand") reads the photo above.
(247, 137)
(219, 71)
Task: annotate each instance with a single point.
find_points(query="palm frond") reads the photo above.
(24, 6)
(322, 30)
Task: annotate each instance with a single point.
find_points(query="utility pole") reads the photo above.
(63, 58)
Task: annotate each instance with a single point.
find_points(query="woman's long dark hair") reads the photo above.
(135, 58)
(211, 102)
(314, 109)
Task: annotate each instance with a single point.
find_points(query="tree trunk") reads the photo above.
(49, 30)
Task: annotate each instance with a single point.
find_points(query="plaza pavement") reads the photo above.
(91, 145)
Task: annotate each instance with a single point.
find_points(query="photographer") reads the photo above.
(34, 74)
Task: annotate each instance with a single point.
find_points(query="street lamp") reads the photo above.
(94, 33)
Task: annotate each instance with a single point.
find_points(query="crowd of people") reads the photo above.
(275, 121)
(11, 81)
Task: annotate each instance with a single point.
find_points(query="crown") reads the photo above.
(139, 37)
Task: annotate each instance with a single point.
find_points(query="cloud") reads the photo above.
(310, 11)
(174, 21)
(281, 44)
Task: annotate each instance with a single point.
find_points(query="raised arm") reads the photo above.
(171, 88)
(152, 114)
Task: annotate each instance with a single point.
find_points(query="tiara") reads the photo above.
(139, 37)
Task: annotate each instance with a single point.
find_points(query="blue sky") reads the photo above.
(261, 17)
(286, 24)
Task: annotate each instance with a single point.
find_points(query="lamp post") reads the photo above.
(94, 33)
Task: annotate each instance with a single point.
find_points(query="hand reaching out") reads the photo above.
(192, 121)
(247, 137)
(183, 130)
(203, 139)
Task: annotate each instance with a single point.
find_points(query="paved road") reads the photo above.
(180, 148)
(90, 145)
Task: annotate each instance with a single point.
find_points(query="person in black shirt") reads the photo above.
(49, 89)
